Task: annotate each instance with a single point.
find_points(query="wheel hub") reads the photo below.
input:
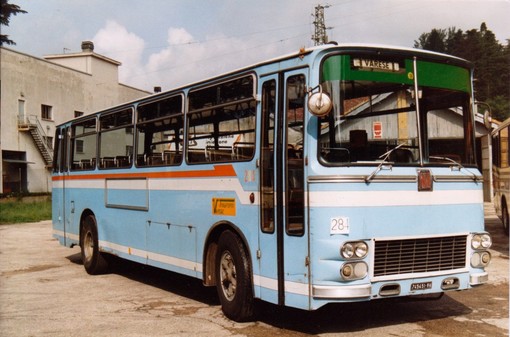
(228, 276)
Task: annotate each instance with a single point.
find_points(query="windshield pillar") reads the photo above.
(418, 117)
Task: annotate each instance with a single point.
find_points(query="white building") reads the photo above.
(38, 94)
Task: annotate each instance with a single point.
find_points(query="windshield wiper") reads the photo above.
(459, 165)
(384, 157)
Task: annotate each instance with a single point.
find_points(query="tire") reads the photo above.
(233, 278)
(505, 218)
(93, 261)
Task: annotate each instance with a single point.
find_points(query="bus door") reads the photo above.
(60, 171)
(283, 240)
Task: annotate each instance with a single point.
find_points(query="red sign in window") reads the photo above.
(377, 130)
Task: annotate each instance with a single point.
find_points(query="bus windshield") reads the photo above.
(375, 118)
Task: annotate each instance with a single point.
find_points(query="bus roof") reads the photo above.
(340, 47)
(332, 46)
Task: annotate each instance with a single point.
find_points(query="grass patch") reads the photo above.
(19, 211)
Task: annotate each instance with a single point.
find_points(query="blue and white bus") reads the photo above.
(339, 173)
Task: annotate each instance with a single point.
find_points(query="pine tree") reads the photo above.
(6, 10)
(490, 58)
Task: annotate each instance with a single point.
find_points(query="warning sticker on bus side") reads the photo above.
(224, 206)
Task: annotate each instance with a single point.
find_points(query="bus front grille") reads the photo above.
(395, 257)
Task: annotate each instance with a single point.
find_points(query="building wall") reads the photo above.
(39, 82)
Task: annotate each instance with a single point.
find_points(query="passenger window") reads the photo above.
(160, 132)
(221, 123)
(83, 145)
(116, 139)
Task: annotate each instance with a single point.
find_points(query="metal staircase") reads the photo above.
(31, 124)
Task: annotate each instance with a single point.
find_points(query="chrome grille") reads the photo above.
(394, 257)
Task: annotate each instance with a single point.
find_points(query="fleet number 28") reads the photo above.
(339, 225)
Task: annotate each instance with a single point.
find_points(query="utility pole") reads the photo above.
(319, 37)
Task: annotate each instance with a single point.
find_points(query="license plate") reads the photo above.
(421, 286)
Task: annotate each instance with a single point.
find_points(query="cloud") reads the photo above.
(115, 41)
(182, 59)
(185, 59)
(179, 36)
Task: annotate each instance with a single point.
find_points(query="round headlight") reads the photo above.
(361, 250)
(475, 260)
(360, 270)
(346, 271)
(486, 241)
(476, 241)
(486, 258)
(347, 250)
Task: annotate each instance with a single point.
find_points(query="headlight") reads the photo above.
(353, 271)
(486, 241)
(347, 250)
(481, 241)
(354, 250)
(480, 259)
(361, 250)
(476, 242)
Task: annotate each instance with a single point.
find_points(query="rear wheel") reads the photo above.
(93, 261)
(233, 278)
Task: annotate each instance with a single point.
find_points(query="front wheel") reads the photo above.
(93, 261)
(233, 278)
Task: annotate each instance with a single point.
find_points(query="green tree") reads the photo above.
(6, 10)
(435, 40)
(490, 58)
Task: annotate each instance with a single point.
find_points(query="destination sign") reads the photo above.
(371, 64)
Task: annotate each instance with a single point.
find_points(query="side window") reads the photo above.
(57, 151)
(160, 132)
(267, 156)
(116, 139)
(83, 145)
(221, 122)
(295, 108)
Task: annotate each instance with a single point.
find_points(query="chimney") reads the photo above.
(87, 46)
(157, 90)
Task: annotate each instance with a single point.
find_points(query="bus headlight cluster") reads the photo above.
(353, 271)
(354, 250)
(480, 259)
(481, 241)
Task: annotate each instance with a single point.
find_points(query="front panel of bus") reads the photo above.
(395, 197)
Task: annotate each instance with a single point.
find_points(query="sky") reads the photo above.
(170, 43)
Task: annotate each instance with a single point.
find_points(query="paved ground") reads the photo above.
(44, 291)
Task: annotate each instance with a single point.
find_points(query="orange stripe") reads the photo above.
(217, 171)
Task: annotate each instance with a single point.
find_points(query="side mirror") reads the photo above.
(487, 120)
(487, 116)
(319, 103)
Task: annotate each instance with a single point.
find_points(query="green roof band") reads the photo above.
(430, 74)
